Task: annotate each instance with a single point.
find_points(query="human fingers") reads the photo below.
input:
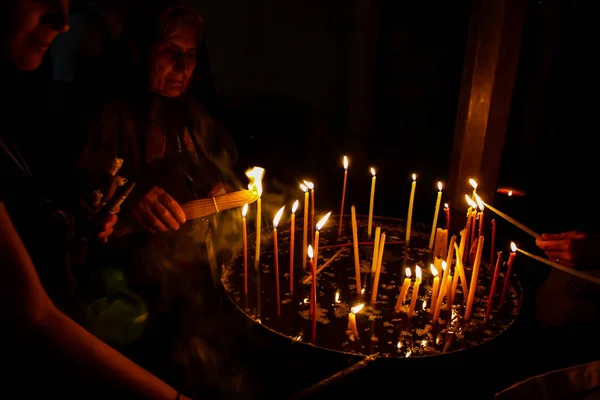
(558, 236)
(173, 207)
(165, 216)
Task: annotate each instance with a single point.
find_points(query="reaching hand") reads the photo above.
(157, 211)
(570, 248)
(107, 226)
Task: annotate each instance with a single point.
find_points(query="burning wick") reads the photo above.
(352, 321)
(337, 296)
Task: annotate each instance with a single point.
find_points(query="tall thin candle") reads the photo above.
(245, 241)
(410, 208)
(319, 226)
(378, 270)
(474, 185)
(512, 221)
(276, 256)
(371, 203)
(443, 290)
(343, 195)
(511, 260)
(256, 175)
(305, 225)
(311, 187)
(313, 293)
(493, 288)
(403, 290)
(436, 286)
(447, 211)
(292, 242)
(481, 208)
(375, 249)
(474, 276)
(493, 244)
(355, 244)
(415, 293)
(435, 215)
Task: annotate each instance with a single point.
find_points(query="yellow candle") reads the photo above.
(343, 195)
(513, 221)
(276, 255)
(292, 239)
(449, 300)
(440, 298)
(372, 203)
(355, 243)
(448, 262)
(415, 293)
(305, 227)
(375, 249)
(352, 327)
(435, 215)
(378, 268)
(319, 226)
(461, 271)
(245, 241)
(410, 208)
(436, 286)
(474, 277)
(403, 290)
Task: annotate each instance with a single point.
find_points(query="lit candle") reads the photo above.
(378, 269)
(305, 227)
(352, 327)
(448, 261)
(375, 249)
(276, 255)
(415, 293)
(473, 228)
(461, 270)
(440, 298)
(493, 288)
(474, 277)
(447, 211)
(255, 175)
(511, 259)
(319, 226)
(343, 195)
(245, 241)
(435, 215)
(313, 293)
(481, 208)
(292, 240)
(436, 286)
(372, 203)
(512, 221)
(449, 299)
(403, 290)
(410, 208)
(474, 185)
(355, 244)
(493, 244)
(311, 186)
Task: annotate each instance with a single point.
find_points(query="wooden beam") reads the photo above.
(490, 67)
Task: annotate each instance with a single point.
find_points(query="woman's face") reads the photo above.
(173, 62)
(34, 25)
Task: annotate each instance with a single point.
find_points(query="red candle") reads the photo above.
(511, 259)
(245, 241)
(313, 294)
(493, 289)
(493, 243)
(447, 211)
(480, 223)
(343, 194)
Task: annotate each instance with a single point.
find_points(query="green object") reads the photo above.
(119, 317)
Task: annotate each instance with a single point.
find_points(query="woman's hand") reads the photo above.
(158, 212)
(571, 249)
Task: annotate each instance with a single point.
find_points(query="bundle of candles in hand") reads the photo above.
(365, 284)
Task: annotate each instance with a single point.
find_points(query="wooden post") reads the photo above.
(490, 67)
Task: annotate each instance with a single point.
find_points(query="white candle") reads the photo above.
(372, 203)
(435, 215)
(410, 208)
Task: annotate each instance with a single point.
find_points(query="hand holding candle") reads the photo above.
(415, 293)
(245, 241)
(371, 203)
(343, 195)
(410, 208)
(276, 256)
(435, 215)
(292, 240)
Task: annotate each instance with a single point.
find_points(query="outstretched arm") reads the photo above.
(20, 284)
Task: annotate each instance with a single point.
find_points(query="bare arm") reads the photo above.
(19, 283)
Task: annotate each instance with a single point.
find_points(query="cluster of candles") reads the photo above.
(469, 249)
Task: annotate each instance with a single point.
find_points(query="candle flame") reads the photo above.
(440, 186)
(473, 183)
(446, 205)
(303, 187)
(408, 273)
(372, 171)
(414, 176)
(399, 345)
(278, 217)
(356, 309)
(513, 247)
(434, 271)
(444, 265)
(480, 202)
(471, 203)
(322, 221)
(337, 296)
(255, 175)
(245, 210)
(295, 207)
(310, 252)
(362, 291)
(510, 192)
(418, 272)
(345, 162)
(424, 304)
(309, 185)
